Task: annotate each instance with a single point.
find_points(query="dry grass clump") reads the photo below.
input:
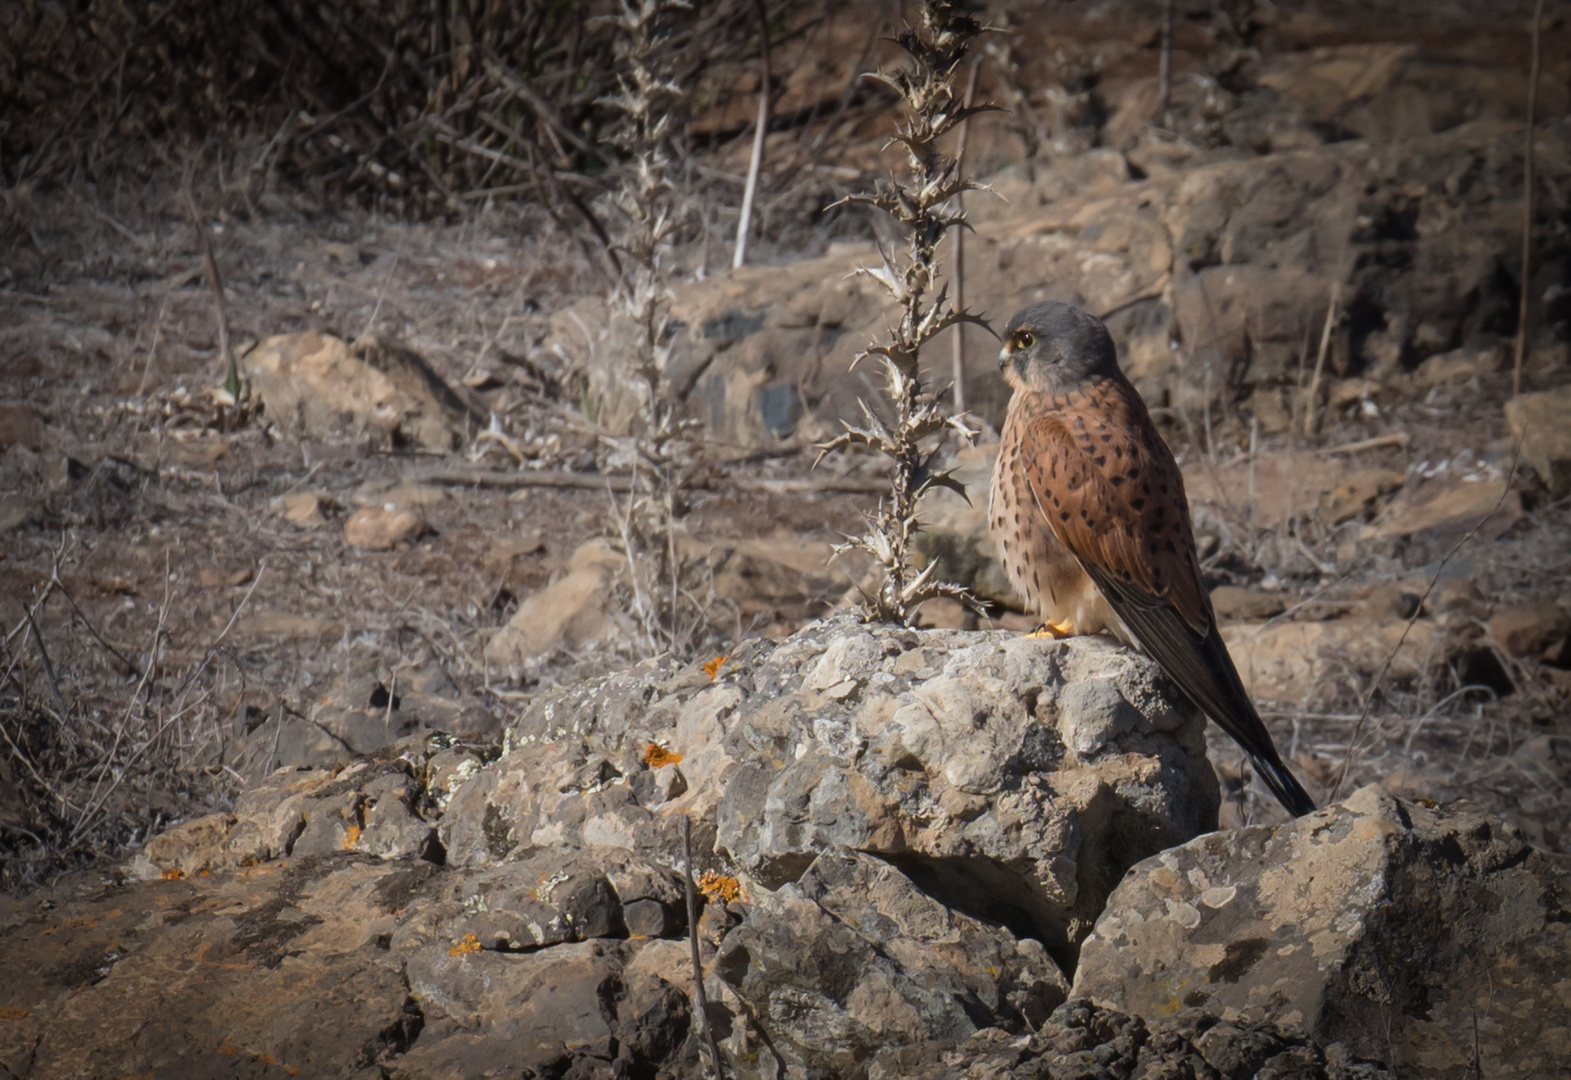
(101, 747)
(431, 106)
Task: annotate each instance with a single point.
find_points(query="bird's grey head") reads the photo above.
(1053, 348)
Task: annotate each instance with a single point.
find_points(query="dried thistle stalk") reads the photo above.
(643, 213)
(923, 203)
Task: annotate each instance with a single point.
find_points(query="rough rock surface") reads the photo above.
(1541, 423)
(907, 832)
(315, 386)
(1239, 250)
(1407, 933)
(1082, 1041)
(905, 837)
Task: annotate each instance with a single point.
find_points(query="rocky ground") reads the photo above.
(923, 853)
(355, 660)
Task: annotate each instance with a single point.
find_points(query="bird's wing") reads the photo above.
(1111, 492)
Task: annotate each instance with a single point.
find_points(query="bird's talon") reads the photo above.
(1057, 631)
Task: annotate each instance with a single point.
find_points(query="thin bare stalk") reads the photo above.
(1320, 359)
(1527, 205)
(757, 160)
(216, 283)
(1165, 72)
(958, 274)
(692, 938)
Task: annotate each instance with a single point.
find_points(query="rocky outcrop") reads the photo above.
(1232, 256)
(905, 834)
(1413, 935)
(904, 838)
(316, 386)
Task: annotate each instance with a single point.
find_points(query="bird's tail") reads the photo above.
(1284, 785)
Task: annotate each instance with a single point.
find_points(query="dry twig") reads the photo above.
(216, 283)
(1527, 204)
(1320, 358)
(755, 162)
(692, 937)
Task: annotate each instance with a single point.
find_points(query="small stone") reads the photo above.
(1249, 605)
(20, 425)
(302, 508)
(1349, 498)
(1456, 367)
(646, 918)
(380, 529)
(942, 613)
(1458, 596)
(1541, 423)
(1529, 629)
(574, 612)
(669, 783)
(1390, 602)
(17, 510)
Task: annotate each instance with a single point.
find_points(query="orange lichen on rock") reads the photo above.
(351, 837)
(467, 944)
(712, 669)
(720, 887)
(656, 755)
(173, 875)
(14, 1013)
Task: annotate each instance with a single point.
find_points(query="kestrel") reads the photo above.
(1088, 506)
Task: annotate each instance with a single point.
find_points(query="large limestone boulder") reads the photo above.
(903, 838)
(921, 824)
(1411, 934)
(903, 835)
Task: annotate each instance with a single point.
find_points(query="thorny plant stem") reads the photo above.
(1527, 205)
(924, 205)
(644, 214)
(1374, 688)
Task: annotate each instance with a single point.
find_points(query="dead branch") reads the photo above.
(692, 938)
(1527, 205)
(216, 283)
(1320, 359)
(755, 162)
(958, 274)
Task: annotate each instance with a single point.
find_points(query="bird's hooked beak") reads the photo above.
(1006, 353)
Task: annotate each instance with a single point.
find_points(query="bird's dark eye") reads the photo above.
(1024, 340)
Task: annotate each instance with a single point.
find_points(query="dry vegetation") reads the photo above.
(450, 184)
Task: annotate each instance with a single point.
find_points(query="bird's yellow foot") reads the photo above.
(1056, 631)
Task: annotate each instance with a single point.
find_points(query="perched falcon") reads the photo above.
(1088, 506)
